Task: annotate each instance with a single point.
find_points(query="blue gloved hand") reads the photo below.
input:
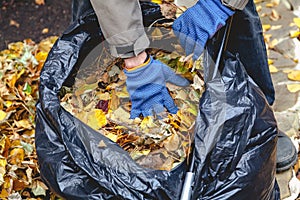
(199, 23)
(147, 88)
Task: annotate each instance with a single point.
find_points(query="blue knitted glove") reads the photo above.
(199, 23)
(147, 88)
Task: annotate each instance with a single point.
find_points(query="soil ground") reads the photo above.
(22, 19)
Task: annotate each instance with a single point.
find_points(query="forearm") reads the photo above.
(122, 25)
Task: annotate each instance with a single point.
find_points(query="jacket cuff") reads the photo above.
(127, 51)
(235, 4)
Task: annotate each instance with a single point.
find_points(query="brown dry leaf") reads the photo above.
(85, 87)
(157, 34)
(168, 164)
(24, 123)
(294, 75)
(101, 144)
(274, 15)
(19, 185)
(14, 23)
(40, 2)
(293, 87)
(45, 30)
(172, 143)
(115, 101)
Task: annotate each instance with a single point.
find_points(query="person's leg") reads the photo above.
(246, 39)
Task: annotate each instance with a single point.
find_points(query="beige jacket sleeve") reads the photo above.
(122, 26)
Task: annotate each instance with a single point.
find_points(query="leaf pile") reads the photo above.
(20, 67)
(100, 99)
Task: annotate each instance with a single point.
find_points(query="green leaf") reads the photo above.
(27, 147)
(27, 89)
(38, 189)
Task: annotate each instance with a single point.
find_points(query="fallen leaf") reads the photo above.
(16, 156)
(172, 143)
(274, 15)
(2, 115)
(45, 31)
(293, 87)
(40, 2)
(3, 164)
(19, 185)
(273, 69)
(24, 123)
(96, 119)
(294, 75)
(266, 27)
(294, 34)
(157, 34)
(14, 23)
(156, 1)
(198, 83)
(297, 21)
(112, 137)
(101, 144)
(39, 188)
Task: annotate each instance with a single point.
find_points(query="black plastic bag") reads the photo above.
(236, 135)
(234, 158)
(71, 163)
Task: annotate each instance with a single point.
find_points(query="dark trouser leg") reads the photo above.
(79, 7)
(246, 39)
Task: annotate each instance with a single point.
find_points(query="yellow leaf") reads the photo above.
(269, 5)
(112, 137)
(147, 123)
(297, 21)
(17, 156)
(273, 43)
(270, 61)
(294, 34)
(273, 69)
(2, 144)
(15, 77)
(266, 27)
(294, 75)
(41, 56)
(293, 87)
(156, 1)
(8, 103)
(96, 119)
(2, 115)
(24, 123)
(4, 194)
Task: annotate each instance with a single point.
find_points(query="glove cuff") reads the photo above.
(146, 62)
